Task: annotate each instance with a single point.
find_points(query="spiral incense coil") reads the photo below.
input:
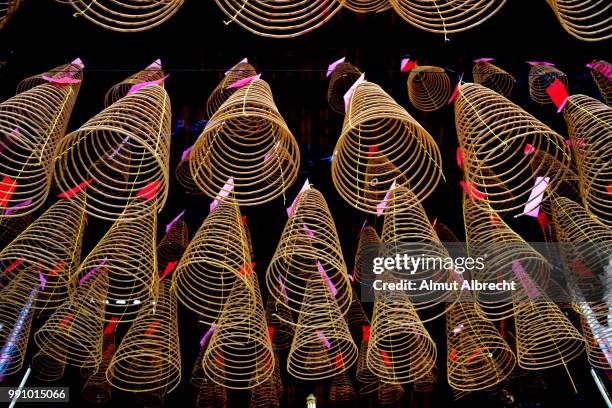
(589, 124)
(31, 126)
(379, 131)
(47, 368)
(120, 154)
(149, 357)
(217, 254)
(10, 228)
(446, 17)
(356, 317)
(221, 93)
(602, 81)
(153, 72)
(493, 77)
(240, 353)
(322, 347)
(72, 70)
(540, 78)
(585, 20)
(185, 179)
(445, 234)
(7, 8)
(368, 238)
(389, 394)
(478, 357)
(493, 134)
(264, 395)
(341, 389)
(427, 383)
(367, 6)
(172, 246)
(429, 88)
(126, 15)
(96, 389)
(278, 18)
(368, 380)
(246, 141)
(343, 77)
(211, 395)
(280, 330)
(51, 245)
(309, 246)
(16, 320)
(67, 334)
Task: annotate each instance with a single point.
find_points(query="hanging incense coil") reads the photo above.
(71, 70)
(589, 124)
(248, 142)
(264, 395)
(356, 317)
(478, 357)
(322, 346)
(278, 318)
(185, 178)
(427, 383)
(31, 126)
(446, 17)
(240, 353)
(221, 93)
(540, 78)
(341, 389)
(493, 77)
(367, 6)
(493, 134)
(343, 77)
(126, 15)
(96, 389)
(47, 368)
(120, 154)
(215, 257)
(67, 334)
(400, 349)
(429, 88)
(10, 228)
(172, 246)
(369, 383)
(278, 18)
(445, 234)
(309, 246)
(585, 20)
(600, 71)
(211, 395)
(381, 143)
(368, 239)
(126, 255)
(149, 357)
(7, 8)
(153, 72)
(389, 394)
(52, 246)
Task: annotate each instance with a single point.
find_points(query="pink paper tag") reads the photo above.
(456, 91)
(92, 272)
(271, 151)
(225, 191)
(114, 153)
(458, 329)
(323, 338)
(243, 82)
(17, 206)
(283, 290)
(78, 63)
(328, 281)
(532, 208)
(333, 65)
(186, 153)
(406, 65)
(308, 230)
(305, 187)
(141, 85)
(380, 207)
(542, 63)
(174, 221)
(529, 149)
(242, 61)
(526, 282)
(207, 335)
(484, 60)
(61, 81)
(157, 64)
(349, 94)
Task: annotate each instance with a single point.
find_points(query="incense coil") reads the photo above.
(367, 6)
(32, 124)
(126, 15)
(16, 320)
(429, 88)
(309, 246)
(379, 133)
(185, 178)
(478, 357)
(67, 334)
(427, 383)
(47, 368)
(356, 317)
(73, 69)
(400, 349)
(278, 18)
(10, 228)
(281, 332)
(51, 245)
(96, 389)
(342, 78)
(493, 133)
(341, 389)
(119, 154)
(322, 346)
(149, 357)
(600, 73)
(586, 20)
(240, 354)
(389, 394)
(153, 72)
(368, 237)
(589, 124)
(247, 141)
(173, 245)
(211, 395)
(568, 187)
(540, 78)
(446, 17)
(126, 255)
(369, 383)
(221, 92)
(217, 253)
(493, 77)
(7, 8)
(264, 395)
(445, 234)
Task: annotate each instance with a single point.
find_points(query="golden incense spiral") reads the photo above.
(429, 88)
(540, 78)
(586, 20)
(493, 77)
(222, 91)
(153, 72)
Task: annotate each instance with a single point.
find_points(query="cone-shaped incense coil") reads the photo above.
(248, 142)
(343, 77)
(280, 324)
(429, 88)
(264, 395)
(602, 81)
(7, 8)
(32, 123)
(309, 246)
(120, 154)
(369, 382)
(427, 383)
(478, 358)
(222, 92)
(184, 177)
(10, 228)
(381, 143)
(493, 134)
(153, 72)
(389, 394)
(589, 124)
(586, 20)
(540, 78)
(322, 346)
(47, 368)
(72, 70)
(368, 239)
(341, 389)
(173, 245)
(96, 388)
(356, 317)
(211, 395)
(149, 356)
(445, 234)
(493, 77)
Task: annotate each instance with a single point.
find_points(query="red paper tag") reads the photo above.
(453, 355)
(14, 265)
(271, 332)
(543, 220)
(66, 320)
(471, 191)
(558, 94)
(455, 93)
(149, 191)
(110, 327)
(57, 269)
(459, 157)
(152, 328)
(474, 354)
(581, 269)
(169, 268)
(70, 193)
(244, 220)
(385, 357)
(245, 270)
(610, 188)
(407, 65)
(366, 333)
(109, 350)
(339, 359)
(7, 187)
(529, 149)
(372, 149)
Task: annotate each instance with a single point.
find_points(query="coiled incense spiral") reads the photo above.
(184, 177)
(96, 388)
(65, 72)
(173, 245)
(389, 394)
(343, 77)
(211, 395)
(493, 134)
(367, 6)
(7, 8)
(47, 368)
(586, 20)
(368, 381)
(429, 88)
(540, 78)
(222, 92)
(427, 383)
(32, 124)
(149, 356)
(380, 144)
(356, 317)
(153, 72)
(281, 332)
(264, 395)
(341, 389)
(368, 239)
(589, 124)
(600, 71)
(126, 15)
(493, 77)
(246, 141)
(445, 234)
